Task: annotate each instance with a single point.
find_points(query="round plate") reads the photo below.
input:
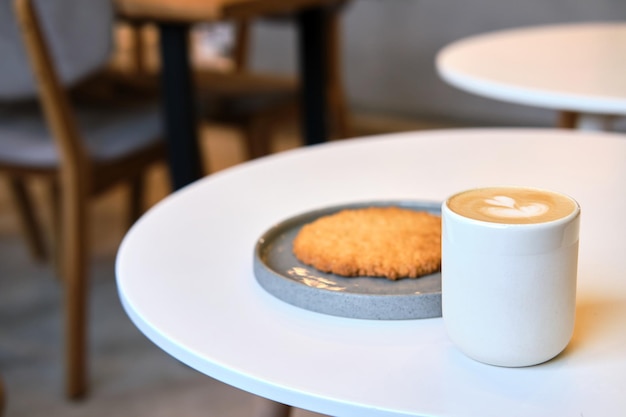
(279, 272)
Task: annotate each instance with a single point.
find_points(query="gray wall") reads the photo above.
(390, 45)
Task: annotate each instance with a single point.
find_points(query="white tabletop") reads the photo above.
(185, 278)
(578, 67)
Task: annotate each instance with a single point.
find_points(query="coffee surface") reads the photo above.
(512, 205)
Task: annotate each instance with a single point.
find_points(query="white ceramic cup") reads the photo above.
(509, 274)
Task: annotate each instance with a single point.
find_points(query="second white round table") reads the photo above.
(578, 69)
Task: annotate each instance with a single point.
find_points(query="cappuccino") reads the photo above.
(509, 259)
(512, 205)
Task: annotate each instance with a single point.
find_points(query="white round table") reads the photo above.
(186, 280)
(577, 68)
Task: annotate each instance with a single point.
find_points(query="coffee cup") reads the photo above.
(509, 267)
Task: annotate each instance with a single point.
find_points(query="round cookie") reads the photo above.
(386, 242)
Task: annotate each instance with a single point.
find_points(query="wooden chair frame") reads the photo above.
(77, 178)
(335, 94)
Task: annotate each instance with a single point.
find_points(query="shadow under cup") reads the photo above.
(509, 290)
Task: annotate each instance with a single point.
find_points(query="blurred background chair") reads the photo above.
(78, 130)
(228, 89)
(339, 112)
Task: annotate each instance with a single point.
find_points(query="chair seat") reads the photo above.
(238, 109)
(110, 132)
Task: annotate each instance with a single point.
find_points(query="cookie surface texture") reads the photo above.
(388, 242)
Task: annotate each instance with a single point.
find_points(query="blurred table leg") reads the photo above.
(179, 104)
(177, 84)
(268, 408)
(313, 25)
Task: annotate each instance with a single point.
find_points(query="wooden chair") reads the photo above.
(336, 95)
(256, 103)
(81, 146)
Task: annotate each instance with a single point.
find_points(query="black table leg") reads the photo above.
(177, 85)
(180, 116)
(312, 28)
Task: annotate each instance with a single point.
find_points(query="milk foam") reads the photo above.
(508, 207)
(512, 205)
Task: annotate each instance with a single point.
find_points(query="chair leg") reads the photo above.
(337, 103)
(136, 191)
(55, 203)
(257, 135)
(268, 408)
(339, 116)
(74, 265)
(27, 217)
(138, 46)
(242, 44)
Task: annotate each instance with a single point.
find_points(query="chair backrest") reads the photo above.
(80, 37)
(52, 95)
(74, 162)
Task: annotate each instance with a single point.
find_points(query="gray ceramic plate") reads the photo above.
(282, 275)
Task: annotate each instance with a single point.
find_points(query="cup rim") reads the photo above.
(575, 212)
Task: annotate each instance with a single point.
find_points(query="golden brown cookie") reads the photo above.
(386, 242)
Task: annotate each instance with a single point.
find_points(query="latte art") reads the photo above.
(503, 206)
(512, 205)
